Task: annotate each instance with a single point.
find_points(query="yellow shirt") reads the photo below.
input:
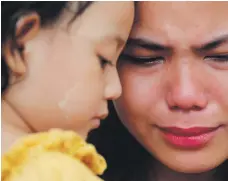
(52, 156)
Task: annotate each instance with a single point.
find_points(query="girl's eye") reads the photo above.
(104, 62)
(143, 61)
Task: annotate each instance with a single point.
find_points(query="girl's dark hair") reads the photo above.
(12, 11)
(127, 160)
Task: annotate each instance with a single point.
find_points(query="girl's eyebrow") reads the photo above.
(120, 40)
(117, 38)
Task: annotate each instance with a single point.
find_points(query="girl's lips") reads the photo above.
(96, 123)
(191, 138)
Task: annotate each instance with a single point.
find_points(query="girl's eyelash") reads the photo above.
(142, 60)
(104, 62)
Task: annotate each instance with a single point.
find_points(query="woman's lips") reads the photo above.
(190, 138)
(194, 131)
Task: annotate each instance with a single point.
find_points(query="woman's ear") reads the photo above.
(26, 29)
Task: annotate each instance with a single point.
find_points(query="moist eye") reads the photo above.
(218, 58)
(146, 61)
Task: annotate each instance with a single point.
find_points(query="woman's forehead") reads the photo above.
(168, 22)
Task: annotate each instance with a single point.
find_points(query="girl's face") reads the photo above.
(175, 83)
(68, 79)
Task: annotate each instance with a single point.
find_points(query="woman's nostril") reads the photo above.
(192, 108)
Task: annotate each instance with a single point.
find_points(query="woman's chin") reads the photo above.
(195, 160)
(191, 167)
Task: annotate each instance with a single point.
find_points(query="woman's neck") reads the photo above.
(13, 126)
(163, 173)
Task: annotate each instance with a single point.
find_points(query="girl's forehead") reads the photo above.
(99, 24)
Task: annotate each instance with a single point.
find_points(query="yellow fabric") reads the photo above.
(52, 156)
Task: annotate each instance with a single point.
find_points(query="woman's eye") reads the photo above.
(217, 58)
(143, 61)
(218, 61)
(104, 62)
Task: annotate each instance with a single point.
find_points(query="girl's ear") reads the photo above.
(27, 28)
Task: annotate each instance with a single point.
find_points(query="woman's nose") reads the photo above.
(186, 91)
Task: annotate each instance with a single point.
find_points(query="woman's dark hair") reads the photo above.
(12, 11)
(127, 160)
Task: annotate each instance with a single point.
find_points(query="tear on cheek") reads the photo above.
(64, 104)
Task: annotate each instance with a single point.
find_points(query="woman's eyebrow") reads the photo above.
(147, 44)
(213, 44)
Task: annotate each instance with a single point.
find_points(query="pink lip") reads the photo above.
(96, 121)
(194, 137)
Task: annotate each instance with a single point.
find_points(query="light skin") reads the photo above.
(64, 80)
(185, 86)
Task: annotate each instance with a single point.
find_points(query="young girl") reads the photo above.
(58, 71)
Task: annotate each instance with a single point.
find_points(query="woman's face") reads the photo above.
(174, 73)
(68, 83)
